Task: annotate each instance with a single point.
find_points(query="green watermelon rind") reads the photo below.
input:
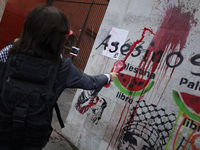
(127, 92)
(183, 108)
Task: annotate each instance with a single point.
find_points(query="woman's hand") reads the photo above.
(113, 75)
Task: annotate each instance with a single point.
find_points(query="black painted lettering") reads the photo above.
(190, 85)
(155, 55)
(152, 76)
(198, 129)
(126, 66)
(147, 73)
(138, 49)
(179, 55)
(117, 95)
(194, 61)
(188, 122)
(145, 56)
(122, 96)
(135, 70)
(130, 101)
(183, 81)
(115, 44)
(105, 42)
(131, 68)
(184, 121)
(193, 125)
(197, 85)
(125, 48)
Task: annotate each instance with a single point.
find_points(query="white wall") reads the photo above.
(166, 116)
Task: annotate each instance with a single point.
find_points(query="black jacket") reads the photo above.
(70, 77)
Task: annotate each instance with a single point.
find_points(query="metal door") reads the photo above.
(85, 17)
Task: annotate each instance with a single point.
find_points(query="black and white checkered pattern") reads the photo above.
(4, 53)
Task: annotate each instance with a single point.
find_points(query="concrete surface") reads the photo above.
(57, 141)
(163, 110)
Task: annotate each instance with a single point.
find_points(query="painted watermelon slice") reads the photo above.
(131, 85)
(190, 101)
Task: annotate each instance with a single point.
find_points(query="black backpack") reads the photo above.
(27, 98)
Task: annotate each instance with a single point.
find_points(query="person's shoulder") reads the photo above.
(7, 48)
(67, 61)
(4, 53)
(66, 64)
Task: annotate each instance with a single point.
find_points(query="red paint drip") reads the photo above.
(172, 34)
(83, 109)
(138, 41)
(118, 124)
(119, 65)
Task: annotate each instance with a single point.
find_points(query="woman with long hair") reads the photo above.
(44, 36)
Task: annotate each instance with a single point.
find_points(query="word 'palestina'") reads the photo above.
(191, 85)
(140, 71)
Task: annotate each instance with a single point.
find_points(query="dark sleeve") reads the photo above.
(78, 79)
(75, 78)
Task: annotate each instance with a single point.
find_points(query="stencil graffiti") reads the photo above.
(149, 125)
(132, 86)
(186, 135)
(88, 102)
(97, 110)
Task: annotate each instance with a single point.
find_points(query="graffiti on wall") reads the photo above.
(186, 135)
(89, 102)
(150, 125)
(164, 52)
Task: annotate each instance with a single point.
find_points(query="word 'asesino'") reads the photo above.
(124, 49)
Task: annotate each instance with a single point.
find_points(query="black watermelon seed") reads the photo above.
(134, 80)
(124, 80)
(131, 86)
(141, 83)
(121, 75)
(152, 44)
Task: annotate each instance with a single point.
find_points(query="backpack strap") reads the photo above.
(59, 115)
(2, 73)
(56, 107)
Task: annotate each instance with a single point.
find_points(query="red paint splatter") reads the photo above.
(119, 65)
(172, 33)
(138, 41)
(83, 109)
(170, 37)
(131, 84)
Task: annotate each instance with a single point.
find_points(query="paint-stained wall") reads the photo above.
(154, 103)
